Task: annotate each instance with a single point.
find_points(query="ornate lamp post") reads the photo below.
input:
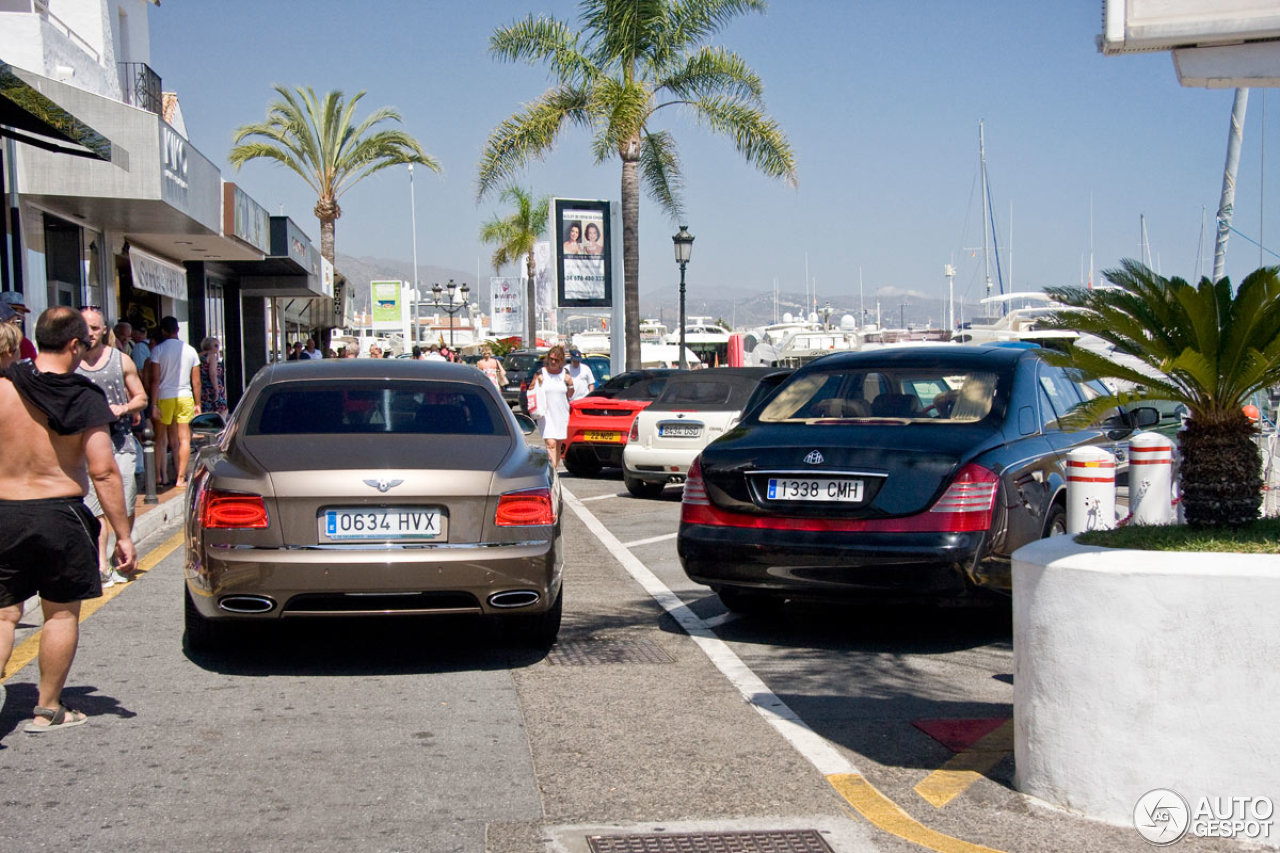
(417, 294)
(450, 306)
(684, 249)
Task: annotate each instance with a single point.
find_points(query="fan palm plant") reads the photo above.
(320, 140)
(514, 236)
(626, 60)
(1206, 346)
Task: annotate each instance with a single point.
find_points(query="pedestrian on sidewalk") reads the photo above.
(175, 387)
(55, 441)
(213, 377)
(10, 339)
(140, 351)
(123, 332)
(117, 376)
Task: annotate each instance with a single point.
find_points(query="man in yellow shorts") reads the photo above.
(175, 387)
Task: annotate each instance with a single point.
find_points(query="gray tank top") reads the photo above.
(110, 378)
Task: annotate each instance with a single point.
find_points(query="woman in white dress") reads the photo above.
(556, 388)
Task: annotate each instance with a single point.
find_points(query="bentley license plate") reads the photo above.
(384, 524)
(798, 489)
(679, 430)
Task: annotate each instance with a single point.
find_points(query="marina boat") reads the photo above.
(1019, 321)
(707, 338)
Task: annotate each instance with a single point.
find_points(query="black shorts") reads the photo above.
(48, 547)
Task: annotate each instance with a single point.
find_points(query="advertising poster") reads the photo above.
(544, 291)
(506, 303)
(385, 297)
(583, 253)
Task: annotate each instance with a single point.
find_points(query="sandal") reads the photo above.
(60, 717)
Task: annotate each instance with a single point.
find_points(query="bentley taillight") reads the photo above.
(524, 508)
(232, 510)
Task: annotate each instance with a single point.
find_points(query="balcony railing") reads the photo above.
(140, 86)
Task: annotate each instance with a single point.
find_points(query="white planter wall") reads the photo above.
(1136, 670)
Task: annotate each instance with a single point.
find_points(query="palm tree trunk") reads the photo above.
(327, 229)
(1221, 473)
(531, 267)
(631, 260)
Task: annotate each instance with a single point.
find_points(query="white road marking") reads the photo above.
(663, 538)
(816, 749)
(599, 498)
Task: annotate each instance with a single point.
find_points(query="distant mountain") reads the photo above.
(741, 309)
(747, 310)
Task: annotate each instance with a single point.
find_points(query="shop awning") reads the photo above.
(32, 118)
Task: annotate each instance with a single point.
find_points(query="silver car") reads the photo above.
(362, 487)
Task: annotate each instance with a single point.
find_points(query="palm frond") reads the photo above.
(547, 40)
(660, 172)
(694, 20)
(527, 135)
(515, 234)
(756, 136)
(714, 71)
(619, 111)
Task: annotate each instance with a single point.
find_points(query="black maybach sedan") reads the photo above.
(891, 474)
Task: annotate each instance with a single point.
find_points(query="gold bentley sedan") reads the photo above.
(371, 487)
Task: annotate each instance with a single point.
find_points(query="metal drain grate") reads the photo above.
(782, 841)
(590, 652)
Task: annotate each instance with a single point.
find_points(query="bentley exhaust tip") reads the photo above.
(515, 598)
(247, 604)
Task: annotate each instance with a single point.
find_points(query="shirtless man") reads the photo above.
(55, 440)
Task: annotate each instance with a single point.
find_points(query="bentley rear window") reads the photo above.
(901, 394)
(411, 408)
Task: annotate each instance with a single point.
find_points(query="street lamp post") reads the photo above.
(684, 249)
(417, 295)
(450, 306)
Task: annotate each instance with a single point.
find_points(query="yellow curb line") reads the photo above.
(887, 815)
(964, 768)
(29, 650)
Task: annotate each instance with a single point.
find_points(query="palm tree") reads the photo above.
(627, 60)
(319, 140)
(1203, 346)
(514, 236)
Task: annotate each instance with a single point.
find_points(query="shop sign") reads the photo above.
(156, 275)
(174, 185)
(249, 221)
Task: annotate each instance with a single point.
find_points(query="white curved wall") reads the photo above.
(1136, 670)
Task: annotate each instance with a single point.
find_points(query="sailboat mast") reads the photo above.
(986, 236)
(1226, 207)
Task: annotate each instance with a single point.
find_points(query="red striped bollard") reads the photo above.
(1151, 479)
(1091, 490)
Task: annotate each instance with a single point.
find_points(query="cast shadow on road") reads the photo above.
(861, 677)
(404, 645)
(18, 698)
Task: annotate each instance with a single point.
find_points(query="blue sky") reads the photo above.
(881, 101)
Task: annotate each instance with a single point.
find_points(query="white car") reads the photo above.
(694, 409)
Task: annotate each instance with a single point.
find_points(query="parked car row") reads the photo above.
(895, 473)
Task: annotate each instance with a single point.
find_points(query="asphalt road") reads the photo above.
(402, 735)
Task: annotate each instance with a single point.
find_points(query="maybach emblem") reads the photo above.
(383, 485)
(815, 458)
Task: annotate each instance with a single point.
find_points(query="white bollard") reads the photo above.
(1091, 490)
(1151, 479)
